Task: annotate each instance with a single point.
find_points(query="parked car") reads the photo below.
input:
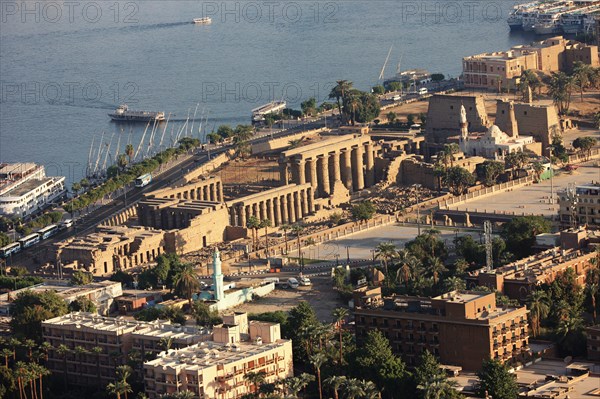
(292, 283)
(304, 281)
(65, 224)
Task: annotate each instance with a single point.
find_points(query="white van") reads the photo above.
(293, 283)
(423, 90)
(67, 223)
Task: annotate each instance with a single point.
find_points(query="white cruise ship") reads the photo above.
(575, 22)
(25, 189)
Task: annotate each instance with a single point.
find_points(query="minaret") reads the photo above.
(464, 125)
(512, 128)
(217, 276)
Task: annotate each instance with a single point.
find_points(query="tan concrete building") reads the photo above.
(102, 293)
(501, 70)
(593, 342)
(580, 206)
(281, 205)
(460, 328)
(518, 279)
(346, 161)
(216, 369)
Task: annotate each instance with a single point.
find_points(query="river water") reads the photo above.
(65, 65)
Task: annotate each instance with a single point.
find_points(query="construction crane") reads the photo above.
(487, 232)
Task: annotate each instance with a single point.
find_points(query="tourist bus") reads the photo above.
(48, 231)
(30, 240)
(143, 180)
(9, 249)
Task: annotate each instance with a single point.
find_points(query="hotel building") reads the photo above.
(217, 368)
(461, 328)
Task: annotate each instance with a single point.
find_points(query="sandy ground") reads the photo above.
(534, 199)
(320, 295)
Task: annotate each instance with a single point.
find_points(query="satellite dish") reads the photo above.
(568, 359)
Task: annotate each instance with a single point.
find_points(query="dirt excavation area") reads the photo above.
(320, 295)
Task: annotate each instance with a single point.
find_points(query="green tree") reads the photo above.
(529, 80)
(318, 360)
(581, 74)
(204, 315)
(491, 171)
(520, 233)
(339, 93)
(335, 382)
(385, 251)
(122, 162)
(391, 116)
(340, 315)
(375, 361)
(299, 318)
(432, 382)
(309, 107)
(253, 223)
(458, 180)
(83, 304)
(81, 277)
(187, 283)
(30, 308)
(129, 152)
(560, 86)
(585, 145)
(363, 211)
(76, 187)
(255, 379)
(368, 109)
(495, 380)
(265, 224)
(297, 229)
(538, 304)
(378, 90)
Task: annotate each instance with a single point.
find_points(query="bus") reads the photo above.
(9, 249)
(143, 180)
(48, 231)
(30, 240)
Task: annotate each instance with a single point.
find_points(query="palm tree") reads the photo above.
(96, 350)
(123, 373)
(80, 352)
(63, 351)
(317, 360)
(118, 388)
(340, 315)
(408, 262)
(187, 282)
(437, 386)
(41, 372)
(253, 223)
(335, 382)
(592, 290)
(339, 92)
(354, 389)
(285, 228)
(255, 379)
(76, 187)
(266, 223)
(297, 229)
(29, 344)
(539, 307)
(122, 161)
(6, 353)
(23, 377)
(385, 251)
(560, 86)
(14, 343)
(449, 151)
(129, 152)
(454, 283)
(45, 347)
(581, 73)
(165, 343)
(436, 267)
(371, 391)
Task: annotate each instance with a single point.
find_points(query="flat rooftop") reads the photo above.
(63, 290)
(208, 354)
(16, 168)
(30, 185)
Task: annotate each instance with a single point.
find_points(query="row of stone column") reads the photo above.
(210, 192)
(281, 209)
(354, 167)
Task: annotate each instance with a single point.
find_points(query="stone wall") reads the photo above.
(120, 217)
(208, 167)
